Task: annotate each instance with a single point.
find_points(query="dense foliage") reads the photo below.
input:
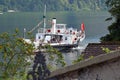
(16, 58)
(114, 28)
(14, 54)
(52, 5)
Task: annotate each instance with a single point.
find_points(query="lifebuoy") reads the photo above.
(58, 31)
(48, 30)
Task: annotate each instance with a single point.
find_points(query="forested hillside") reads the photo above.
(52, 5)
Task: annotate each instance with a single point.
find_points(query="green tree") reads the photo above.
(114, 28)
(15, 56)
(14, 52)
(52, 5)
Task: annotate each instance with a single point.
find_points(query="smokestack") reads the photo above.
(54, 25)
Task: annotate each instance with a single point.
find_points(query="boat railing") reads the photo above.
(58, 30)
(42, 30)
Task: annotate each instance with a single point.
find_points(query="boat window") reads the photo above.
(39, 37)
(70, 31)
(53, 40)
(60, 26)
(61, 38)
(65, 38)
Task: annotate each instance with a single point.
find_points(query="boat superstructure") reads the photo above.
(58, 35)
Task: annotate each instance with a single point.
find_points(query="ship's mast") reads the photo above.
(44, 18)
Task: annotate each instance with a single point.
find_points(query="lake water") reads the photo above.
(95, 24)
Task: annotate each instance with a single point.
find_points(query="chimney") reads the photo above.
(54, 25)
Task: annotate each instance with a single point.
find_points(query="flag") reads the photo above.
(82, 27)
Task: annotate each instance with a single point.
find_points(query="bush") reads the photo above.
(14, 52)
